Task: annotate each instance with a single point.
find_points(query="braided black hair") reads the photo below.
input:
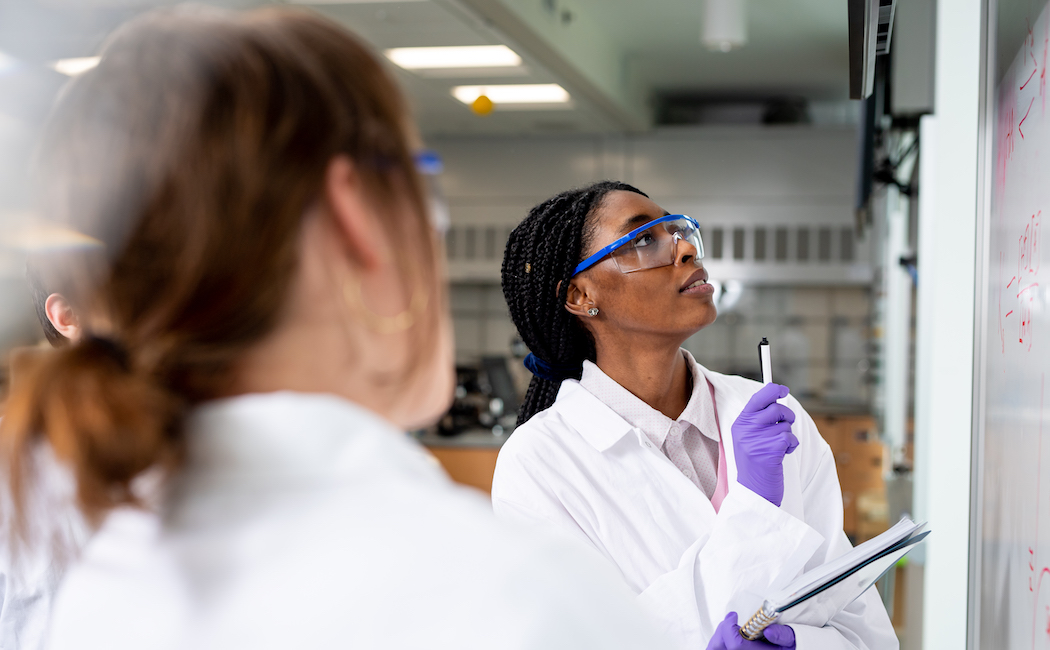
(541, 253)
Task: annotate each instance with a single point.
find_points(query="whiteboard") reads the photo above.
(1011, 550)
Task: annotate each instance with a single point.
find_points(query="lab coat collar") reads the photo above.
(704, 419)
(599, 425)
(602, 427)
(300, 438)
(698, 411)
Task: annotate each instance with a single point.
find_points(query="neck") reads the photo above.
(657, 374)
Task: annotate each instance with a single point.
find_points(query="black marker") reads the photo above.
(765, 362)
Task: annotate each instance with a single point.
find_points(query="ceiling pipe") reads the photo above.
(725, 25)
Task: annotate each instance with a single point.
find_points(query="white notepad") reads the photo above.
(819, 594)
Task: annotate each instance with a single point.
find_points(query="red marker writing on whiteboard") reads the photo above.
(765, 362)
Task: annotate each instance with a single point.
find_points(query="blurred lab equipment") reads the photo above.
(485, 398)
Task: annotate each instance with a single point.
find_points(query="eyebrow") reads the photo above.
(637, 220)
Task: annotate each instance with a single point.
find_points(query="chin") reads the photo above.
(705, 318)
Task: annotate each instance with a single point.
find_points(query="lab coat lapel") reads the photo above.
(602, 427)
(728, 404)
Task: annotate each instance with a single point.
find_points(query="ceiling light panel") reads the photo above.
(457, 57)
(73, 67)
(516, 95)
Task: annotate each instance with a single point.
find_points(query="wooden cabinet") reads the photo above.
(859, 459)
(467, 465)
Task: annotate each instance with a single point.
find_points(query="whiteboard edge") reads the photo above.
(986, 130)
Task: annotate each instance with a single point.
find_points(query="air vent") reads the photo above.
(882, 38)
(816, 253)
(870, 28)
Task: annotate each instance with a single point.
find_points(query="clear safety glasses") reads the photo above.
(650, 246)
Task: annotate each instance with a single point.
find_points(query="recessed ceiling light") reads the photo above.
(514, 94)
(73, 67)
(465, 56)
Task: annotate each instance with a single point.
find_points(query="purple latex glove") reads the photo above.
(761, 438)
(727, 636)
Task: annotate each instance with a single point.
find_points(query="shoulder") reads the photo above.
(554, 429)
(558, 452)
(532, 454)
(469, 581)
(106, 590)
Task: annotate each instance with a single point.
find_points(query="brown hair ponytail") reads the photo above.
(104, 419)
(192, 152)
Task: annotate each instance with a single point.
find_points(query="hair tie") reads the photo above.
(549, 371)
(111, 348)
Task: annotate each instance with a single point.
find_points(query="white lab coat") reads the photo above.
(304, 521)
(581, 468)
(30, 574)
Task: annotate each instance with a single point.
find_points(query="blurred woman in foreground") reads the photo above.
(270, 316)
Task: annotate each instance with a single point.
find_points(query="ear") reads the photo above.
(353, 214)
(579, 298)
(62, 316)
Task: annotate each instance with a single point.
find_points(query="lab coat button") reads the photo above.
(648, 444)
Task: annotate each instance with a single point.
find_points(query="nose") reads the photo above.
(685, 252)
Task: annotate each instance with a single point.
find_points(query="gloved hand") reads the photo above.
(761, 438)
(727, 636)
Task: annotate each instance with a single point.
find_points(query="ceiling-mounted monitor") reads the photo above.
(870, 28)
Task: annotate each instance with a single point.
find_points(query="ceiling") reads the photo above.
(615, 57)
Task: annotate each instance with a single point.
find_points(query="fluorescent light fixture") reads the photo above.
(73, 67)
(514, 94)
(465, 56)
(725, 24)
(42, 237)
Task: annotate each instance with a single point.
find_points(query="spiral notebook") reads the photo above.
(819, 594)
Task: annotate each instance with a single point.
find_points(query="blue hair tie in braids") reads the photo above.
(549, 371)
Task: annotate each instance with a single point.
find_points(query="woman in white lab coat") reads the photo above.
(271, 318)
(702, 490)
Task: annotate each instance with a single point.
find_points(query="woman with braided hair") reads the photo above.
(705, 490)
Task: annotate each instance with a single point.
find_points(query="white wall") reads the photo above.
(755, 178)
(767, 172)
(944, 378)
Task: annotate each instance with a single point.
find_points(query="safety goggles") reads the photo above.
(650, 246)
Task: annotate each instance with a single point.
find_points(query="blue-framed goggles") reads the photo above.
(652, 245)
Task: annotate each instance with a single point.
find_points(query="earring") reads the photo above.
(593, 311)
(385, 324)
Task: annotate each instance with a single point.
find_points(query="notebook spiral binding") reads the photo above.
(752, 630)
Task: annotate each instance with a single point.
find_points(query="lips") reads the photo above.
(698, 278)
